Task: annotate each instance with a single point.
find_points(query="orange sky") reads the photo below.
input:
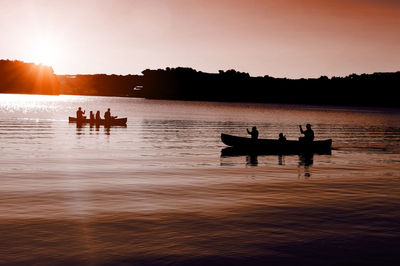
(285, 38)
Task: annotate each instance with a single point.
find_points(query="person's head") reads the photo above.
(79, 108)
(281, 135)
(108, 109)
(308, 126)
(254, 128)
(91, 112)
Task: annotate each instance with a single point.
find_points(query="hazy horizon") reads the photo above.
(294, 39)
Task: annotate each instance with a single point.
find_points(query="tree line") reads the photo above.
(377, 89)
(100, 84)
(20, 77)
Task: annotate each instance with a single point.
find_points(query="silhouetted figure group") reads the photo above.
(308, 134)
(92, 117)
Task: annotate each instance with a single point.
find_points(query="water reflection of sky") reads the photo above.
(127, 191)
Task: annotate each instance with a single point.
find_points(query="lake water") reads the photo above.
(159, 192)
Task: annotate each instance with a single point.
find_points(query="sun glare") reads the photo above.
(45, 52)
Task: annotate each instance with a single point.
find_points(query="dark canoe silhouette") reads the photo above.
(272, 146)
(110, 122)
(232, 151)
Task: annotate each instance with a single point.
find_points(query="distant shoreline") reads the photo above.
(187, 84)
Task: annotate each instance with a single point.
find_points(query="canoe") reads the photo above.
(274, 146)
(232, 152)
(110, 122)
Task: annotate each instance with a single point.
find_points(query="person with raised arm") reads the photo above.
(253, 133)
(79, 114)
(308, 133)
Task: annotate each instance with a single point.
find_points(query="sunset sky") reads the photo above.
(281, 38)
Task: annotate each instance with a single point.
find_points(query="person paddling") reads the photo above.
(308, 133)
(253, 133)
(80, 113)
(107, 115)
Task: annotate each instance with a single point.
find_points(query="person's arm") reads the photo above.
(301, 129)
(248, 132)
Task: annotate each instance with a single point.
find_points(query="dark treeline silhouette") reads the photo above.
(180, 83)
(188, 84)
(20, 77)
(100, 84)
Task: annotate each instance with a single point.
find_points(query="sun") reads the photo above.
(45, 52)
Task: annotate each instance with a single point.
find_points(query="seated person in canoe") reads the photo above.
(98, 117)
(107, 115)
(308, 134)
(91, 116)
(79, 114)
(282, 137)
(253, 133)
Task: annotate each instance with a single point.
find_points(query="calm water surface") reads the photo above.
(158, 191)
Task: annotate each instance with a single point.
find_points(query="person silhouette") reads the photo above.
(80, 113)
(253, 133)
(281, 137)
(91, 116)
(107, 115)
(98, 117)
(308, 133)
